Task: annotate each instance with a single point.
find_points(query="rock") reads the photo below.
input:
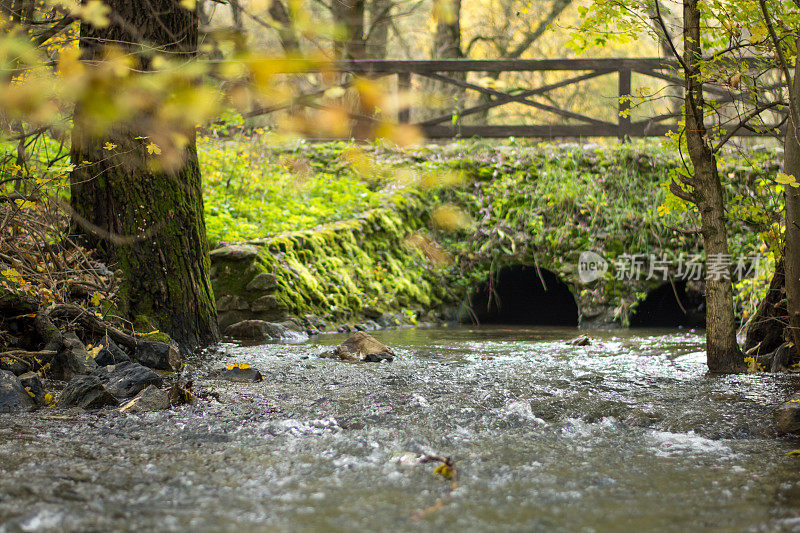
(127, 379)
(13, 396)
(239, 373)
(787, 416)
(14, 365)
(387, 321)
(110, 353)
(86, 392)
(260, 330)
(582, 340)
(72, 360)
(369, 325)
(361, 347)
(264, 304)
(262, 282)
(33, 386)
(235, 252)
(158, 355)
(232, 303)
(150, 399)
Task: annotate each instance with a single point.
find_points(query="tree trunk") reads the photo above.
(349, 15)
(791, 166)
(446, 45)
(722, 350)
(290, 42)
(766, 328)
(379, 22)
(147, 223)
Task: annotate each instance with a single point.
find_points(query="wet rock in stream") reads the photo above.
(238, 373)
(361, 347)
(86, 392)
(127, 379)
(13, 396)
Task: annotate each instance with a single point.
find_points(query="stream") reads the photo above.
(628, 434)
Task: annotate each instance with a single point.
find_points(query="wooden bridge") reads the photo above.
(733, 105)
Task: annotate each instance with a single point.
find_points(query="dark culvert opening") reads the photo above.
(524, 295)
(670, 305)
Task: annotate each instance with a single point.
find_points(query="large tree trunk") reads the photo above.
(722, 350)
(148, 223)
(791, 166)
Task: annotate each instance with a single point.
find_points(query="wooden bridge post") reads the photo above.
(403, 88)
(624, 105)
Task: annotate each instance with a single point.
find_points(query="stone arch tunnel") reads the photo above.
(524, 295)
(670, 305)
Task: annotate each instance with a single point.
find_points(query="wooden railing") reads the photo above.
(573, 123)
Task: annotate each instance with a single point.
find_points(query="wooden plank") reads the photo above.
(501, 65)
(500, 100)
(624, 103)
(514, 98)
(403, 88)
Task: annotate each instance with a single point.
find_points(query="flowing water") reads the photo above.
(628, 434)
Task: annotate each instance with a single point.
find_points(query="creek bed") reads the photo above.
(628, 434)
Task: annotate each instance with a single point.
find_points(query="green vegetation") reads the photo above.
(484, 204)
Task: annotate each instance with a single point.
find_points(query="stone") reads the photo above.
(150, 399)
(262, 282)
(232, 303)
(33, 386)
(14, 365)
(787, 416)
(387, 321)
(110, 353)
(361, 347)
(158, 355)
(581, 340)
(13, 396)
(86, 392)
(235, 252)
(127, 379)
(260, 330)
(71, 360)
(238, 374)
(264, 303)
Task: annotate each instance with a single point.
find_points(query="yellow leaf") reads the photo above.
(95, 13)
(786, 179)
(444, 470)
(795, 453)
(109, 146)
(95, 299)
(153, 148)
(189, 4)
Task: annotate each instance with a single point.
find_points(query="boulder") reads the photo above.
(262, 282)
(158, 355)
(110, 353)
(127, 379)
(361, 347)
(260, 330)
(13, 396)
(232, 303)
(33, 386)
(235, 252)
(787, 416)
(239, 373)
(71, 360)
(86, 392)
(150, 399)
(581, 340)
(265, 304)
